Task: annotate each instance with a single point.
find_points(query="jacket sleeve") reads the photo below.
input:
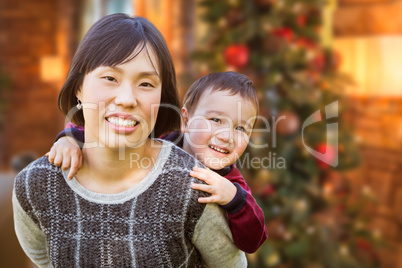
(213, 239)
(76, 132)
(247, 223)
(30, 236)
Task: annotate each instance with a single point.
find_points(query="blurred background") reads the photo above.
(326, 149)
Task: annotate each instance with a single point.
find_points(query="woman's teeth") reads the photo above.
(218, 149)
(122, 122)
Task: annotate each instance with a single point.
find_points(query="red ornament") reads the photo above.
(284, 32)
(328, 155)
(288, 123)
(301, 20)
(237, 56)
(363, 244)
(366, 253)
(276, 229)
(318, 62)
(305, 43)
(268, 190)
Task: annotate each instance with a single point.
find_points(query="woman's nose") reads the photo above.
(125, 96)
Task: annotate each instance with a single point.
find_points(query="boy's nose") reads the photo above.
(225, 135)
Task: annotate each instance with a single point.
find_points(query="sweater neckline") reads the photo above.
(124, 196)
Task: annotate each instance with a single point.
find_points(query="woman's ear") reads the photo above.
(184, 113)
(78, 94)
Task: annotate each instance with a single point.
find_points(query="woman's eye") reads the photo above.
(216, 120)
(146, 84)
(109, 78)
(242, 129)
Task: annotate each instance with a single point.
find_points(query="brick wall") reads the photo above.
(368, 17)
(378, 124)
(29, 31)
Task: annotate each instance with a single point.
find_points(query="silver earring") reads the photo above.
(79, 105)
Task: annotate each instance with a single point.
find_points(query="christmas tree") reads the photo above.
(302, 143)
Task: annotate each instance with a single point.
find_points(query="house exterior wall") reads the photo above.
(29, 32)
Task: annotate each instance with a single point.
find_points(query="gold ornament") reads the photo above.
(344, 250)
(272, 259)
(301, 205)
(264, 176)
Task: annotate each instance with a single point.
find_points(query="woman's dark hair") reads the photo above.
(111, 41)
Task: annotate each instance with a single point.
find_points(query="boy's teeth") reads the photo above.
(218, 149)
(122, 122)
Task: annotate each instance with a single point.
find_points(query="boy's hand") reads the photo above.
(221, 189)
(66, 153)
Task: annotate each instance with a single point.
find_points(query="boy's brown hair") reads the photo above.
(233, 82)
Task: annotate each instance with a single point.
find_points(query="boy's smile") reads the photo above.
(219, 149)
(219, 127)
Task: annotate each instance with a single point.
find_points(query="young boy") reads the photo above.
(219, 112)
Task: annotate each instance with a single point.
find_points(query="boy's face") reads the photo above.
(218, 129)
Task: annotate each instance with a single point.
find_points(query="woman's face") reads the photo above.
(121, 103)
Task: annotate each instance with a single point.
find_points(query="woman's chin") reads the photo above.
(122, 144)
(117, 141)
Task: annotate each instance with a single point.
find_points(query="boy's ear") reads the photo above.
(184, 113)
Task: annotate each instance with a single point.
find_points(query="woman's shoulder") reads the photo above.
(180, 158)
(40, 165)
(177, 168)
(36, 174)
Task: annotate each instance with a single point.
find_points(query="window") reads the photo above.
(96, 9)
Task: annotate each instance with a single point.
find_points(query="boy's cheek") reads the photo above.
(199, 139)
(198, 124)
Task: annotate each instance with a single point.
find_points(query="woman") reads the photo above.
(131, 204)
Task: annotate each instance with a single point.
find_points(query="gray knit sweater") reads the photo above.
(157, 223)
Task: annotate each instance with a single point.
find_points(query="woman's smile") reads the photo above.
(121, 123)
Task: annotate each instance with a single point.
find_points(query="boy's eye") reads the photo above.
(242, 129)
(109, 78)
(215, 120)
(146, 84)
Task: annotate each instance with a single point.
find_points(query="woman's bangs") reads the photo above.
(124, 50)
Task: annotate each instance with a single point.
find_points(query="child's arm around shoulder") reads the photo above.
(247, 223)
(213, 240)
(222, 190)
(66, 151)
(246, 218)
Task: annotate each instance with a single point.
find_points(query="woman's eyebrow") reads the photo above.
(140, 74)
(114, 68)
(152, 73)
